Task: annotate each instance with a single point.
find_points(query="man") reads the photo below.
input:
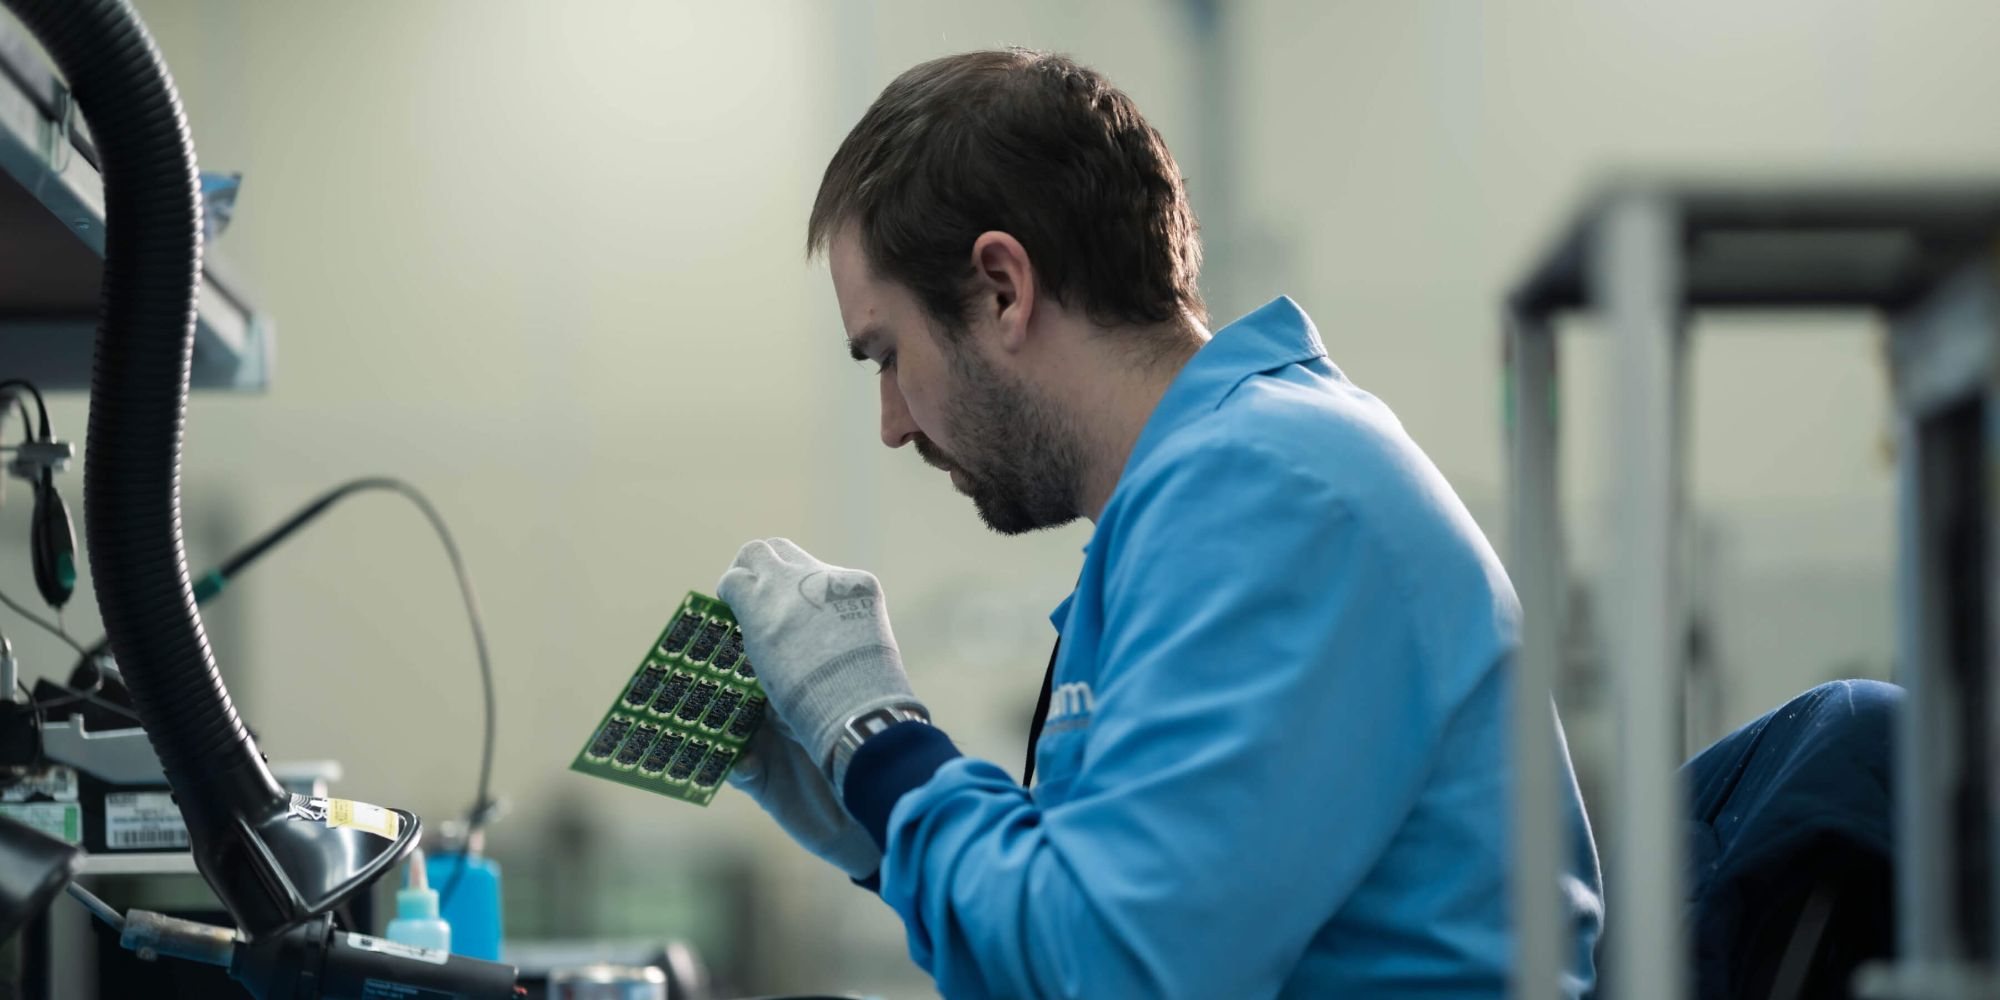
(1273, 761)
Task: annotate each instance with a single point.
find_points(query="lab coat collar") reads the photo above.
(1275, 335)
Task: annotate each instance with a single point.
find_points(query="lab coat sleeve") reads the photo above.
(1261, 726)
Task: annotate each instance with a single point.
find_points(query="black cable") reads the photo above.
(75, 696)
(457, 874)
(27, 430)
(27, 422)
(40, 404)
(40, 717)
(475, 816)
(210, 583)
(249, 554)
(83, 697)
(42, 708)
(42, 623)
(41, 711)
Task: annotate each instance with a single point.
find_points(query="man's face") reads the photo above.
(1004, 443)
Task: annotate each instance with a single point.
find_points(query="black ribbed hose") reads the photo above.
(139, 383)
(274, 860)
(138, 403)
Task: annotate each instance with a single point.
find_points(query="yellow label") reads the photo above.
(362, 816)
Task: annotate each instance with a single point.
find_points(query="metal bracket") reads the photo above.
(121, 756)
(32, 458)
(56, 147)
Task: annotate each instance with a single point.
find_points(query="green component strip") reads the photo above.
(681, 718)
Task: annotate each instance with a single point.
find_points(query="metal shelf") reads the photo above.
(150, 863)
(52, 246)
(1778, 242)
(1645, 254)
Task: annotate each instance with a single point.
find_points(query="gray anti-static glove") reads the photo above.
(820, 637)
(776, 772)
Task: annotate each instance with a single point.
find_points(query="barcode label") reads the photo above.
(147, 838)
(143, 821)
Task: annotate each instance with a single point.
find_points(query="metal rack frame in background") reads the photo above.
(1645, 254)
(52, 246)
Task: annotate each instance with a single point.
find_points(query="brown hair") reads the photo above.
(1026, 143)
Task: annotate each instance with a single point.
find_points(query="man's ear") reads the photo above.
(1003, 288)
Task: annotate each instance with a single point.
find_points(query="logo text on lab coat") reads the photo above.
(1070, 701)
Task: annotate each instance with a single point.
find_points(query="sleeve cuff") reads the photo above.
(893, 762)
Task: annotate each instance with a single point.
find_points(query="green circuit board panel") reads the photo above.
(681, 719)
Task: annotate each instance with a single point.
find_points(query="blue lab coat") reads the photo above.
(1796, 805)
(1276, 761)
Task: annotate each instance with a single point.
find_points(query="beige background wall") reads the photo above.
(544, 260)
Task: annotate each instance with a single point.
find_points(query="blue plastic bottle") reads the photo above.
(417, 923)
(472, 905)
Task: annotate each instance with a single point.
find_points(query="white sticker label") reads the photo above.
(339, 813)
(146, 821)
(57, 819)
(385, 946)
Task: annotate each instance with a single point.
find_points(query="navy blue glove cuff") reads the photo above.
(891, 763)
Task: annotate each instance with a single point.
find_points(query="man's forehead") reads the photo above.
(842, 257)
(861, 296)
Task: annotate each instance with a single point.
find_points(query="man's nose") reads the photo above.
(897, 427)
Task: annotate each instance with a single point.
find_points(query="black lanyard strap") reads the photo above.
(1041, 717)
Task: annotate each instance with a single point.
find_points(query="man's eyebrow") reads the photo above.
(858, 345)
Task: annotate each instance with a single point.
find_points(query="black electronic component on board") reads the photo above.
(683, 630)
(645, 686)
(711, 636)
(672, 692)
(747, 718)
(724, 706)
(685, 761)
(731, 651)
(636, 745)
(662, 753)
(713, 768)
(697, 701)
(608, 738)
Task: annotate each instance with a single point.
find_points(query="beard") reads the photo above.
(1017, 456)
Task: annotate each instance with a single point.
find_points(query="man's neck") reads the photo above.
(1113, 395)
